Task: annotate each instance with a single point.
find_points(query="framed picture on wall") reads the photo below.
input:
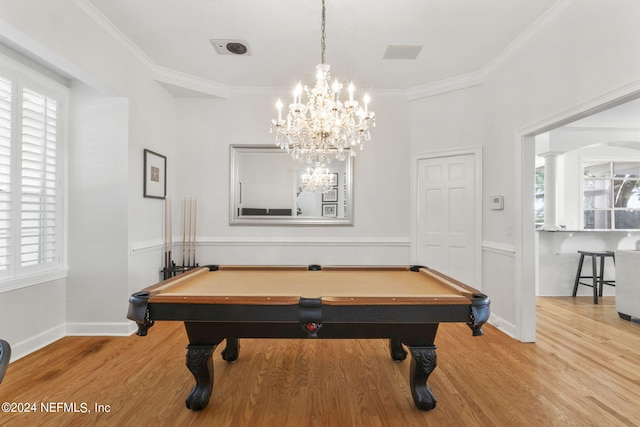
(334, 179)
(155, 175)
(330, 196)
(330, 210)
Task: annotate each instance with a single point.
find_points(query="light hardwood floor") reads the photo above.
(584, 370)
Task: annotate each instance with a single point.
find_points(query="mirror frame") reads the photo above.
(266, 220)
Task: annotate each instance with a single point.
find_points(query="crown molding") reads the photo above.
(93, 14)
(183, 84)
(444, 86)
(179, 80)
(538, 27)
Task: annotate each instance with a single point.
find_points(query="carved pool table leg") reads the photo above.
(398, 353)
(423, 362)
(201, 366)
(231, 350)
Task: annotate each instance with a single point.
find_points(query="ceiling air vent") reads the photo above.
(231, 47)
(401, 52)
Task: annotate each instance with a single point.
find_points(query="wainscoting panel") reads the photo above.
(288, 251)
(498, 275)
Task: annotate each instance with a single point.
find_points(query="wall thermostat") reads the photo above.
(496, 203)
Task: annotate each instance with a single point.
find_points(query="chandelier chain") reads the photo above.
(323, 39)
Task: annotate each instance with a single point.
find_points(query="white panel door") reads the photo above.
(446, 215)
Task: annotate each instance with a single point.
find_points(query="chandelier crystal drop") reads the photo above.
(323, 127)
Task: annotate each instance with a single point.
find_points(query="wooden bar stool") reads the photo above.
(597, 276)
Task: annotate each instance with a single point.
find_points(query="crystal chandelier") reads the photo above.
(324, 127)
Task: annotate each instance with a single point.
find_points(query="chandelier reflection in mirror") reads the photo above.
(317, 179)
(324, 127)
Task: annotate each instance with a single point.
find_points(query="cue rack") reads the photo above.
(189, 220)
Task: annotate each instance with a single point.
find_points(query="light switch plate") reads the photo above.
(496, 203)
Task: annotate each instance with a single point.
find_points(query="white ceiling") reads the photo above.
(459, 37)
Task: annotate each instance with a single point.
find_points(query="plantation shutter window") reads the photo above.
(5, 173)
(38, 210)
(31, 168)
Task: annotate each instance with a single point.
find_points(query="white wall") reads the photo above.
(380, 233)
(151, 125)
(588, 55)
(448, 121)
(117, 109)
(97, 211)
(33, 317)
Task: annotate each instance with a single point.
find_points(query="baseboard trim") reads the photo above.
(35, 343)
(98, 329)
(40, 341)
(502, 325)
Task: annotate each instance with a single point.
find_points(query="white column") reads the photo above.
(551, 191)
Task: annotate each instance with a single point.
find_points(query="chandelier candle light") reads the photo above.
(324, 127)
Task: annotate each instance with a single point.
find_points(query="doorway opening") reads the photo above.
(614, 113)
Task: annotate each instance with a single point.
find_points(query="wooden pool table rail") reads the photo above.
(258, 286)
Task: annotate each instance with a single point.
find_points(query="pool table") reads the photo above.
(402, 304)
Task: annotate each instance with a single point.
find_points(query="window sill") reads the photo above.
(32, 280)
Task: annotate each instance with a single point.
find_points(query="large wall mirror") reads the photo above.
(266, 189)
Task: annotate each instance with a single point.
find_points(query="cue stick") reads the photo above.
(184, 226)
(195, 217)
(164, 235)
(166, 241)
(189, 235)
(165, 238)
(169, 236)
(193, 241)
